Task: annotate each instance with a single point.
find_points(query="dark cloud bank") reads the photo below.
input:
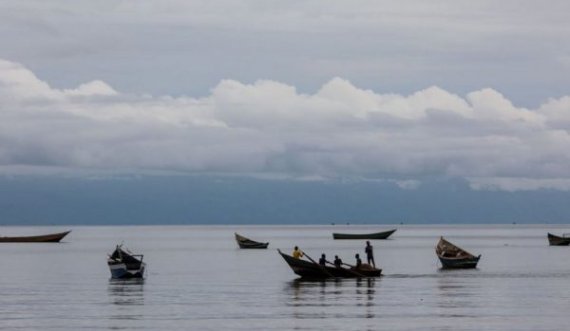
(28, 200)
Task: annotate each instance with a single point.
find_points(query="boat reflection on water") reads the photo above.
(127, 291)
(365, 290)
(331, 298)
(457, 283)
(456, 291)
(126, 298)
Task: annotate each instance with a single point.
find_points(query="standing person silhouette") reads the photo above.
(369, 254)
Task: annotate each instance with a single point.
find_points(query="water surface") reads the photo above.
(198, 279)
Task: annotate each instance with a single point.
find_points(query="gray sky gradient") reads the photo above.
(177, 47)
(304, 90)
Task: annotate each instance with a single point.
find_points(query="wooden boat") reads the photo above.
(454, 257)
(314, 270)
(46, 238)
(377, 235)
(244, 242)
(554, 240)
(124, 264)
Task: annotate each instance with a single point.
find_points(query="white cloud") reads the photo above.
(270, 129)
(519, 184)
(21, 84)
(408, 184)
(95, 87)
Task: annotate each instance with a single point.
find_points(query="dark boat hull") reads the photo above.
(310, 270)
(121, 271)
(244, 242)
(125, 265)
(558, 241)
(377, 235)
(48, 238)
(455, 257)
(459, 263)
(254, 245)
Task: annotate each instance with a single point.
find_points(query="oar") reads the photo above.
(349, 270)
(352, 271)
(320, 266)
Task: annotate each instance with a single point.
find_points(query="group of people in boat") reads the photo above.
(368, 250)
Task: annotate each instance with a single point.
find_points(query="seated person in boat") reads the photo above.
(297, 253)
(337, 261)
(323, 260)
(358, 261)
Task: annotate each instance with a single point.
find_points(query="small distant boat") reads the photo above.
(454, 257)
(46, 238)
(244, 242)
(554, 240)
(124, 264)
(377, 235)
(314, 270)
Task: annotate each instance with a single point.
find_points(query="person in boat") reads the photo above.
(358, 261)
(297, 253)
(369, 254)
(323, 260)
(337, 261)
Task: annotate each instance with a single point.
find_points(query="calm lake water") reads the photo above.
(198, 279)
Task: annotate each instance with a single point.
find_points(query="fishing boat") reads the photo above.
(311, 269)
(376, 235)
(554, 240)
(454, 257)
(124, 264)
(46, 238)
(244, 242)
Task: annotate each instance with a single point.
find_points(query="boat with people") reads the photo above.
(555, 240)
(376, 235)
(125, 265)
(244, 242)
(314, 270)
(45, 238)
(455, 257)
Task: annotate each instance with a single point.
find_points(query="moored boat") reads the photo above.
(307, 269)
(124, 265)
(244, 242)
(554, 240)
(454, 257)
(46, 238)
(376, 235)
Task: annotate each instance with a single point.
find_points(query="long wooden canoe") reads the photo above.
(376, 235)
(454, 257)
(313, 270)
(46, 238)
(244, 242)
(554, 240)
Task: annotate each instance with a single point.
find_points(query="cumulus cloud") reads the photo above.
(269, 129)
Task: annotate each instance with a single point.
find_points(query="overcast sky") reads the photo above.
(306, 90)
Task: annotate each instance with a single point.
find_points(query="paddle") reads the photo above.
(323, 268)
(349, 270)
(354, 272)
